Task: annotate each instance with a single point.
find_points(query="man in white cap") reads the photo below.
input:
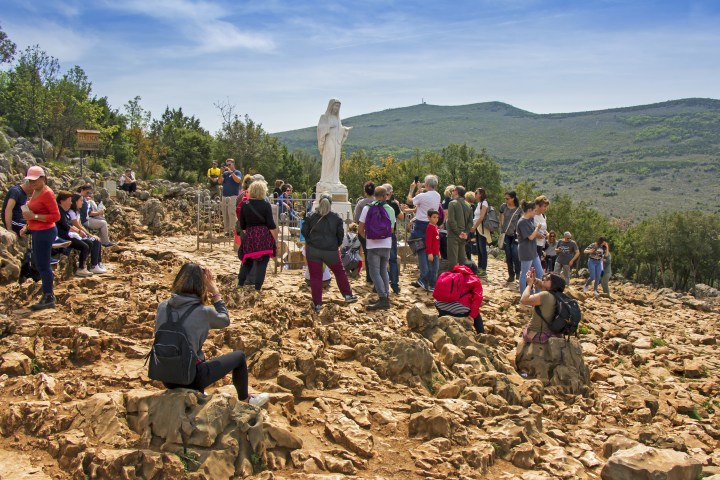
(567, 254)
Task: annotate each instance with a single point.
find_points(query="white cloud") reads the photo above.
(67, 45)
(201, 22)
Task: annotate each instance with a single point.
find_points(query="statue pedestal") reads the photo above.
(340, 201)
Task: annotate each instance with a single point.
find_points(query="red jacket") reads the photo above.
(44, 204)
(241, 198)
(432, 240)
(460, 285)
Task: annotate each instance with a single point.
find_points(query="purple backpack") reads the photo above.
(377, 222)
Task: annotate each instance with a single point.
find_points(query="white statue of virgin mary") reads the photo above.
(331, 135)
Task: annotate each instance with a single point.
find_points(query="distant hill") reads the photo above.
(629, 161)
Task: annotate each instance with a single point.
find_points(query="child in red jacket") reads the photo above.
(432, 247)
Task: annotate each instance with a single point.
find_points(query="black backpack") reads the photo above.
(567, 315)
(172, 358)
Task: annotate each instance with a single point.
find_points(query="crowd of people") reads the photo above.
(53, 225)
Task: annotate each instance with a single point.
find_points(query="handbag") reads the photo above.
(416, 244)
(501, 237)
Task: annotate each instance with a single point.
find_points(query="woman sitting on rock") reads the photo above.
(459, 293)
(537, 331)
(194, 287)
(324, 232)
(86, 245)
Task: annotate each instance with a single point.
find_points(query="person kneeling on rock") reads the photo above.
(459, 293)
(194, 287)
(545, 300)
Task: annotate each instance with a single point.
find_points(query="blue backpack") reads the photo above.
(377, 222)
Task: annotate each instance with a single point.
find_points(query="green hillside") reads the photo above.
(629, 160)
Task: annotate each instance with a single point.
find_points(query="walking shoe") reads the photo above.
(351, 298)
(258, 399)
(46, 301)
(109, 244)
(419, 284)
(60, 243)
(585, 289)
(83, 272)
(596, 293)
(317, 307)
(482, 274)
(510, 279)
(395, 289)
(98, 269)
(383, 303)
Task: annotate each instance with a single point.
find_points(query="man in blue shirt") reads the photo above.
(15, 198)
(230, 181)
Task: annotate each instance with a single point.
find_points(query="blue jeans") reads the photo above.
(434, 268)
(378, 259)
(394, 269)
(42, 241)
(596, 269)
(418, 231)
(511, 256)
(525, 268)
(482, 251)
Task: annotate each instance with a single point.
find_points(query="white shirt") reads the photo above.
(127, 178)
(540, 219)
(377, 243)
(424, 202)
(478, 211)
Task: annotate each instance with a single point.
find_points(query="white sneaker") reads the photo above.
(98, 269)
(585, 289)
(258, 399)
(83, 272)
(102, 265)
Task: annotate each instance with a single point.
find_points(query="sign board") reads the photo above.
(88, 140)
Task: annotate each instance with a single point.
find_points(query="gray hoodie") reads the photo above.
(199, 322)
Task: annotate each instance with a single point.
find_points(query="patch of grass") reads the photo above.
(158, 191)
(707, 405)
(34, 367)
(499, 450)
(583, 330)
(257, 464)
(657, 342)
(694, 414)
(187, 460)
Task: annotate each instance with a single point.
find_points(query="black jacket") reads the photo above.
(323, 233)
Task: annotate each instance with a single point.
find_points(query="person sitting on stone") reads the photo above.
(194, 287)
(537, 331)
(459, 293)
(94, 219)
(74, 215)
(127, 181)
(87, 246)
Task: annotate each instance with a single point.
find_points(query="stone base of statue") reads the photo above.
(340, 200)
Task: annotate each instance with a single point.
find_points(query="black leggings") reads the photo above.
(87, 247)
(213, 370)
(260, 268)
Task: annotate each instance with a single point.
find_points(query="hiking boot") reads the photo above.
(482, 274)
(83, 272)
(46, 301)
(258, 399)
(510, 279)
(383, 303)
(109, 244)
(317, 307)
(351, 298)
(396, 289)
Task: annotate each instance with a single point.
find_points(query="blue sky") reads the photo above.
(280, 61)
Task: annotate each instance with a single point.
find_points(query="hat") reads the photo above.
(567, 234)
(34, 173)
(388, 188)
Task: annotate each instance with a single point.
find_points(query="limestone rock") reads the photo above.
(15, 363)
(153, 215)
(706, 291)
(451, 354)
(347, 433)
(403, 360)
(266, 364)
(647, 463)
(558, 364)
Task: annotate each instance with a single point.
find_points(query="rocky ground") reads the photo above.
(394, 395)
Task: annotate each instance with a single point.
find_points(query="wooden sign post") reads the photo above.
(87, 141)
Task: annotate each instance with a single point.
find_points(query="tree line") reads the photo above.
(675, 250)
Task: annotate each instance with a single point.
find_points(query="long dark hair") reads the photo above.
(190, 280)
(73, 202)
(513, 195)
